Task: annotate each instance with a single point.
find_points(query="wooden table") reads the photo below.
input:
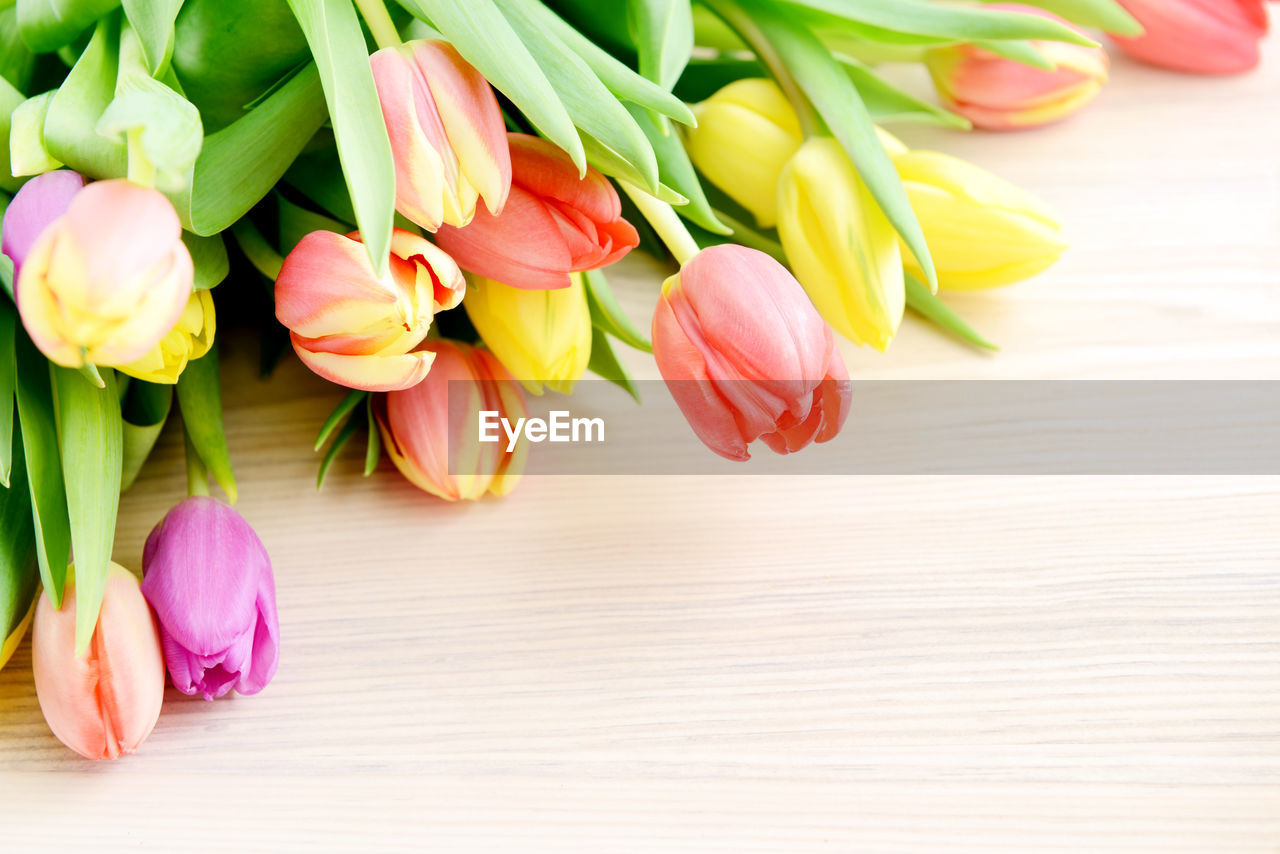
(863, 664)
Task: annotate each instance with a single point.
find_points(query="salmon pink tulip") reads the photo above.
(356, 328)
(106, 703)
(1197, 36)
(208, 577)
(446, 130)
(746, 355)
(554, 223)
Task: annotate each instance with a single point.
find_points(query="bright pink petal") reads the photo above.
(39, 202)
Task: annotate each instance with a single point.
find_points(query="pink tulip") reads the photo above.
(105, 704)
(431, 430)
(1000, 94)
(1198, 36)
(746, 356)
(208, 577)
(38, 203)
(554, 224)
(447, 134)
(355, 328)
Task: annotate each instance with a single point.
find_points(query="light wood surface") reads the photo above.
(862, 664)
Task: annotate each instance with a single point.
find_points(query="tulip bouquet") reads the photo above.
(430, 192)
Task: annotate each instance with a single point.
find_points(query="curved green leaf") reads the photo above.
(921, 17)
(71, 123)
(145, 410)
(153, 21)
(608, 315)
(663, 33)
(8, 388)
(676, 171)
(47, 25)
(929, 306)
(19, 566)
(200, 401)
(1107, 15)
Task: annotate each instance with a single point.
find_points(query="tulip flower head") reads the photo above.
(208, 577)
(746, 356)
(356, 328)
(447, 136)
(554, 223)
(105, 704)
(1197, 36)
(746, 133)
(840, 244)
(430, 430)
(191, 338)
(540, 337)
(996, 93)
(105, 278)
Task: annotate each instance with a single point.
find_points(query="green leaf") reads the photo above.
(17, 62)
(675, 170)
(663, 33)
(925, 18)
(604, 363)
(931, 308)
(315, 175)
(71, 123)
(485, 39)
(1024, 52)
(8, 387)
(1106, 15)
(19, 566)
(47, 25)
(91, 440)
(255, 247)
(887, 103)
(209, 255)
(200, 401)
(350, 402)
(608, 315)
(153, 22)
(10, 98)
(145, 410)
(373, 449)
(295, 223)
(44, 467)
(28, 154)
(348, 430)
(337, 43)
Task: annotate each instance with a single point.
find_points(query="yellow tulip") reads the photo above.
(840, 245)
(543, 337)
(746, 133)
(190, 339)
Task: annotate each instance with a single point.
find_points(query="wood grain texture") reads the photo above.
(869, 664)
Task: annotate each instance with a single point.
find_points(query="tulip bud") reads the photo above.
(104, 281)
(431, 431)
(208, 577)
(1002, 94)
(540, 337)
(554, 223)
(37, 203)
(106, 703)
(745, 355)
(840, 244)
(1197, 36)
(191, 338)
(358, 329)
(447, 136)
(746, 133)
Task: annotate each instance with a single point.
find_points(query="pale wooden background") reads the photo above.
(784, 664)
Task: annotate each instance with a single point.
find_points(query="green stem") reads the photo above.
(264, 258)
(141, 170)
(380, 24)
(665, 221)
(197, 474)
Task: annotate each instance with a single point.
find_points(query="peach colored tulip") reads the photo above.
(746, 355)
(1001, 94)
(105, 280)
(1197, 36)
(554, 223)
(106, 703)
(447, 134)
(431, 430)
(355, 328)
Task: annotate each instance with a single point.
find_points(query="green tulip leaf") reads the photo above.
(19, 566)
(17, 62)
(936, 20)
(8, 387)
(200, 401)
(295, 222)
(1024, 52)
(929, 306)
(608, 315)
(28, 154)
(342, 410)
(71, 123)
(209, 255)
(340, 441)
(887, 103)
(47, 25)
(10, 98)
(663, 33)
(1106, 15)
(373, 448)
(676, 171)
(315, 175)
(145, 410)
(153, 21)
(604, 363)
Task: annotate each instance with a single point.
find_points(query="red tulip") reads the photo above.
(1198, 36)
(746, 355)
(554, 223)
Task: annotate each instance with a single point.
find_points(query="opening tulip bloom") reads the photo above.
(447, 136)
(541, 337)
(191, 338)
(430, 430)
(356, 328)
(745, 355)
(208, 577)
(102, 273)
(746, 133)
(105, 704)
(1001, 94)
(554, 223)
(1197, 36)
(840, 244)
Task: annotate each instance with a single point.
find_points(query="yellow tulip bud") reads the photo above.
(543, 337)
(840, 244)
(746, 133)
(190, 339)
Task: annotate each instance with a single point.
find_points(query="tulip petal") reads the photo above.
(370, 373)
(522, 247)
(38, 203)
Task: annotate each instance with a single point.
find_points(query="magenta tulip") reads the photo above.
(1197, 36)
(208, 577)
(746, 356)
(40, 201)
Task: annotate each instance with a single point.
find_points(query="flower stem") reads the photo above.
(197, 474)
(141, 170)
(665, 221)
(380, 24)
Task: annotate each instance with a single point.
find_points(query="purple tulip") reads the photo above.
(40, 201)
(208, 577)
